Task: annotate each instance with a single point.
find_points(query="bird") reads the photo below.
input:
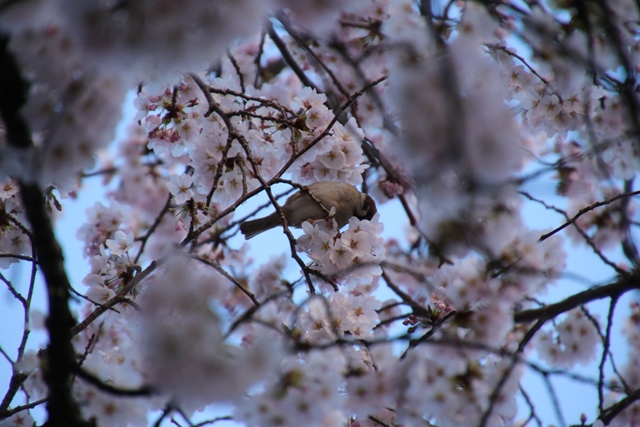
(345, 198)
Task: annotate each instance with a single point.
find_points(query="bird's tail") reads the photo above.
(254, 227)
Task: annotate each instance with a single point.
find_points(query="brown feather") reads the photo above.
(254, 227)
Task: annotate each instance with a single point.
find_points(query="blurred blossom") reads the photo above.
(157, 40)
(569, 342)
(180, 339)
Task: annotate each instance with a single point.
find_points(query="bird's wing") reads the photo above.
(295, 196)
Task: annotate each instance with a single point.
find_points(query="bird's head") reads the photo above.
(367, 208)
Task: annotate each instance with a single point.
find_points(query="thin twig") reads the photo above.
(585, 210)
(232, 279)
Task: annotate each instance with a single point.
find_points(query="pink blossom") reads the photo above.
(180, 187)
(122, 243)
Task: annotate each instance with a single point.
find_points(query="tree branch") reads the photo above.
(612, 290)
(63, 410)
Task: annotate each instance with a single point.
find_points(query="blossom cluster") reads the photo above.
(306, 392)
(431, 393)
(328, 320)
(102, 224)
(353, 255)
(14, 240)
(69, 100)
(320, 148)
(572, 341)
(629, 377)
(181, 340)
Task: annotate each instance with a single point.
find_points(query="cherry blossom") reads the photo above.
(8, 189)
(180, 187)
(194, 323)
(121, 244)
(575, 341)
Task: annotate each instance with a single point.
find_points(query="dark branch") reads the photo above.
(63, 410)
(612, 290)
(101, 385)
